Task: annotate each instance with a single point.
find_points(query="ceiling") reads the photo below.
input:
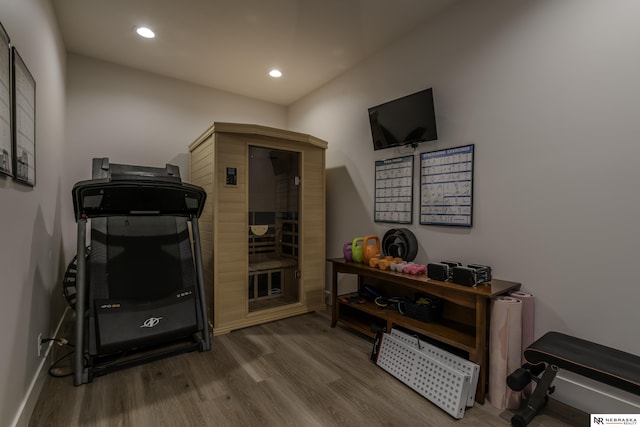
(232, 44)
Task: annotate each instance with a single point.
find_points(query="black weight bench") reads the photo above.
(555, 351)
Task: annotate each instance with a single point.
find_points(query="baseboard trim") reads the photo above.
(35, 387)
(593, 397)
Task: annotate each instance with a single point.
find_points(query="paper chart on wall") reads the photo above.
(6, 160)
(394, 190)
(24, 111)
(446, 186)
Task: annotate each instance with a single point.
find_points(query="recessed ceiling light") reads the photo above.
(145, 32)
(275, 73)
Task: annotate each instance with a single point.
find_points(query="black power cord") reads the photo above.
(59, 341)
(54, 366)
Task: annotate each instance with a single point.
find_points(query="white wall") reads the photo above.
(124, 114)
(548, 91)
(135, 117)
(30, 218)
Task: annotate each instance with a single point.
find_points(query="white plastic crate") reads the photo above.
(445, 357)
(444, 385)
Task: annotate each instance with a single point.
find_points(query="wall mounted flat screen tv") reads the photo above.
(403, 121)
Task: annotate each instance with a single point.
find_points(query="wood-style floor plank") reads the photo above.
(292, 372)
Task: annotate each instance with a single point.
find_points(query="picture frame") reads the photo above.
(393, 202)
(6, 122)
(24, 121)
(446, 186)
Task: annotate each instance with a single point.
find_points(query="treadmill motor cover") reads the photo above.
(126, 324)
(143, 282)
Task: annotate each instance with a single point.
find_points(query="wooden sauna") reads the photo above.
(263, 226)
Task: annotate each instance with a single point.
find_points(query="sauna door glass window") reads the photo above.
(274, 200)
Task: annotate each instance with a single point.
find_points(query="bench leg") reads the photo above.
(537, 400)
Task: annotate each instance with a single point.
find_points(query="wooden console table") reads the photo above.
(465, 320)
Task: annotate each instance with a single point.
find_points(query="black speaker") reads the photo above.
(438, 271)
(472, 275)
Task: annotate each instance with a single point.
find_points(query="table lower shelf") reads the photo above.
(361, 317)
(465, 326)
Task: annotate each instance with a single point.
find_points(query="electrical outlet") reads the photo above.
(40, 344)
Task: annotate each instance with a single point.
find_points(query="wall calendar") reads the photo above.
(446, 186)
(394, 190)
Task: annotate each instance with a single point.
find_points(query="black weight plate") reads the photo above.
(411, 243)
(389, 238)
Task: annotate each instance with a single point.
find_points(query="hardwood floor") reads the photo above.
(292, 372)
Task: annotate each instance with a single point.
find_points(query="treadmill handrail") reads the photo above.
(104, 197)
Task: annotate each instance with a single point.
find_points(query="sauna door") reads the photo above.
(274, 200)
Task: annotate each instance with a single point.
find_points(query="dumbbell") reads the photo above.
(384, 264)
(415, 269)
(381, 263)
(397, 265)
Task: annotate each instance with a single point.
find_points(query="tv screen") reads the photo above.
(407, 120)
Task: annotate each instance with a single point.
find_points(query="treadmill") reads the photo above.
(140, 285)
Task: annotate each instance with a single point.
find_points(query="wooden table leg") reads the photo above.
(481, 348)
(334, 296)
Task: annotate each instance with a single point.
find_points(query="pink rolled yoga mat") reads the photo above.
(505, 350)
(528, 317)
(528, 320)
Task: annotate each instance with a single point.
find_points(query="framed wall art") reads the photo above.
(6, 158)
(394, 190)
(24, 121)
(446, 187)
